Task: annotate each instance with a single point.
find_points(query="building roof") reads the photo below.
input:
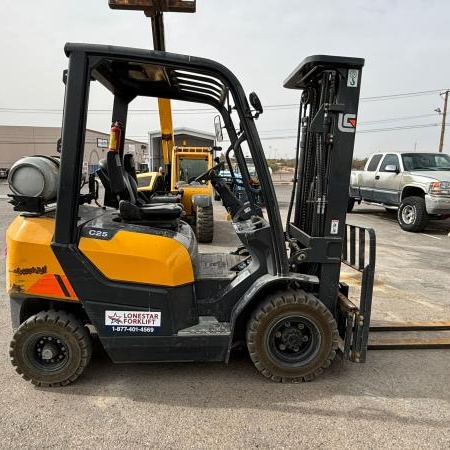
(33, 131)
(184, 130)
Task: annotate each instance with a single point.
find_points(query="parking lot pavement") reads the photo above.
(397, 399)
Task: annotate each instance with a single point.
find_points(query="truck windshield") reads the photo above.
(426, 161)
(191, 168)
(144, 181)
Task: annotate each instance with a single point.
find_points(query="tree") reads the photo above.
(358, 164)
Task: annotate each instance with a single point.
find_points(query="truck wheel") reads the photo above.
(350, 204)
(412, 215)
(292, 336)
(205, 224)
(51, 348)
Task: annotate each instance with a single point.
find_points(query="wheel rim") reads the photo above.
(294, 341)
(47, 352)
(409, 214)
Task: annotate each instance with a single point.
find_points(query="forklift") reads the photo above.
(133, 275)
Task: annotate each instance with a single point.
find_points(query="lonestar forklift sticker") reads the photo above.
(140, 318)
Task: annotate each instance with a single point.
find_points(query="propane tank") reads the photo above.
(115, 136)
(35, 176)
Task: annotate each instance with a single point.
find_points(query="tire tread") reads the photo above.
(64, 320)
(284, 298)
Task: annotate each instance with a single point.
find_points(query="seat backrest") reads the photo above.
(118, 178)
(102, 172)
(129, 165)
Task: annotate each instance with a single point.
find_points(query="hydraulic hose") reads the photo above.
(297, 155)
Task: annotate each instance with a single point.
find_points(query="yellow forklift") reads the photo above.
(132, 273)
(185, 164)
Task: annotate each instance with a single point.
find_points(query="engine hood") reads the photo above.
(443, 175)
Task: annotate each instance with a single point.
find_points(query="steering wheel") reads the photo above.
(204, 175)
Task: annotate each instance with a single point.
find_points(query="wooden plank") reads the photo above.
(382, 325)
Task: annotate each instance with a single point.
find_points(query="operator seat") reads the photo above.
(130, 169)
(131, 206)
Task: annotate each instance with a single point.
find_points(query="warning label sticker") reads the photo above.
(133, 318)
(334, 227)
(352, 79)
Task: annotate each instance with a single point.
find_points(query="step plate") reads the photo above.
(207, 326)
(216, 265)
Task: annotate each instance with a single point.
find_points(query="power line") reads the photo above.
(405, 127)
(375, 130)
(395, 119)
(267, 138)
(364, 123)
(289, 130)
(273, 107)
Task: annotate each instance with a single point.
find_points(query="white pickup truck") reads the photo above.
(416, 184)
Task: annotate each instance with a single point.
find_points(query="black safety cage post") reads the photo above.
(329, 107)
(73, 137)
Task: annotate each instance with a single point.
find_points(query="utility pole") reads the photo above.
(444, 114)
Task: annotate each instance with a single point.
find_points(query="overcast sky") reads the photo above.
(406, 45)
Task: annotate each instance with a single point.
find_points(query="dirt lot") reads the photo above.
(397, 399)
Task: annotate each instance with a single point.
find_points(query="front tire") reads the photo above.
(205, 224)
(412, 215)
(292, 336)
(50, 349)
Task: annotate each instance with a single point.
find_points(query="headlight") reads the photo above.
(440, 188)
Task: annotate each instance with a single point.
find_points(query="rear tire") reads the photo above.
(412, 215)
(50, 349)
(205, 224)
(292, 336)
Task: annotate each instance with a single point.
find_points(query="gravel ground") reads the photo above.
(398, 399)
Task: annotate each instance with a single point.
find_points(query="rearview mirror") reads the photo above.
(218, 128)
(256, 103)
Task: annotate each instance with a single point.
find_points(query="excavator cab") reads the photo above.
(131, 271)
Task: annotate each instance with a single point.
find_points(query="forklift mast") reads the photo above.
(326, 135)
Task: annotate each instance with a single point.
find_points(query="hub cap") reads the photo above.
(294, 341)
(409, 214)
(47, 352)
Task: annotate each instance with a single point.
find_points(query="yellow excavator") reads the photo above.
(182, 165)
